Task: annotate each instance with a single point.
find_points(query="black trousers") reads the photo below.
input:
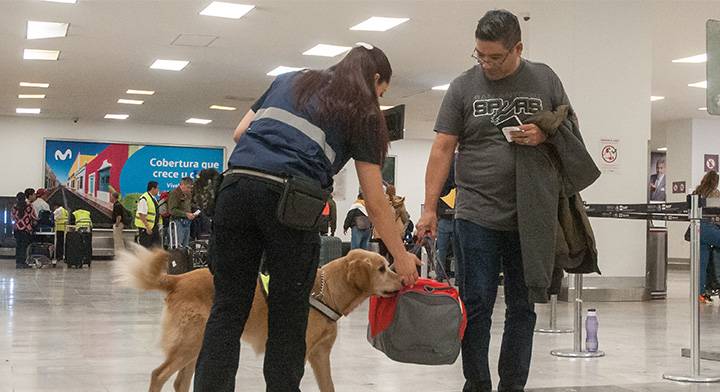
(245, 225)
(149, 240)
(59, 245)
(22, 241)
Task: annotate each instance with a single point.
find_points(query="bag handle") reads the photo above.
(428, 243)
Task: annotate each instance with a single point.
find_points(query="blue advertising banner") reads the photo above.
(91, 171)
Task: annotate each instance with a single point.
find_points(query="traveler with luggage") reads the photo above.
(62, 218)
(358, 222)
(181, 214)
(119, 214)
(78, 239)
(709, 231)
(295, 138)
(24, 217)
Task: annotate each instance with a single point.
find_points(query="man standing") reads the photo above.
(507, 192)
(146, 217)
(61, 221)
(180, 205)
(118, 214)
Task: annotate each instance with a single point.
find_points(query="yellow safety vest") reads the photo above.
(150, 213)
(82, 219)
(61, 222)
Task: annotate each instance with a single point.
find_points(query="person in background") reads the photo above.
(62, 218)
(445, 227)
(657, 182)
(358, 221)
(24, 217)
(118, 215)
(147, 217)
(709, 231)
(180, 206)
(40, 203)
(329, 218)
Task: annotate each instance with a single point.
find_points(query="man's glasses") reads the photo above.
(492, 60)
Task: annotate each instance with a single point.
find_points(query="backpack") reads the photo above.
(423, 324)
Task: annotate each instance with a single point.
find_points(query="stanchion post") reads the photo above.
(577, 351)
(695, 218)
(553, 319)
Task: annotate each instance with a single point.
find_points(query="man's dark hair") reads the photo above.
(187, 181)
(152, 185)
(29, 192)
(116, 195)
(499, 25)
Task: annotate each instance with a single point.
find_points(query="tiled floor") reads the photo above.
(70, 330)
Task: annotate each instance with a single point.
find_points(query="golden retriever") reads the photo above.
(349, 281)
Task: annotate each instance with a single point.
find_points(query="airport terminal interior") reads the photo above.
(117, 116)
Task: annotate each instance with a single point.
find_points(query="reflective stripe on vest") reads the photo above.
(61, 222)
(306, 127)
(150, 213)
(82, 218)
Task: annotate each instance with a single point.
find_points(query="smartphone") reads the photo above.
(509, 125)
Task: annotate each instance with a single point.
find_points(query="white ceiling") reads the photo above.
(112, 43)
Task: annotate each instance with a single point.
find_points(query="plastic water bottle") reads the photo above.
(591, 330)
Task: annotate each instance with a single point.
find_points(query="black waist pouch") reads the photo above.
(301, 204)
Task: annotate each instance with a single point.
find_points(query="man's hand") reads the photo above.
(190, 216)
(148, 228)
(406, 267)
(529, 135)
(427, 225)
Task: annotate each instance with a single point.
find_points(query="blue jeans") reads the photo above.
(709, 236)
(444, 241)
(183, 231)
(481, 254)
(359, 238)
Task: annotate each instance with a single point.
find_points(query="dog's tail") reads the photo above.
(143, 269)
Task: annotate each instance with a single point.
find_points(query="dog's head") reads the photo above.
(369, 272)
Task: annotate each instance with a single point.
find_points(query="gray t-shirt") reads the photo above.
(485, 166)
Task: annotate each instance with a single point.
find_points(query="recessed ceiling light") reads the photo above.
(654, 98)
(29, 84)
(703, 109)
(130, 101)
(386, 107)
(226, 10)
(140, 92)
(62, 1)
(326, 50)
(282, 69)
(170, 65)
(27, 110)
(31, 96)
(39, 30)
(702, 84)
(444, 87)
(378, 23)
(38, 54)
(701, 58)
(662, 149)
(219, 107)
(117, 116)
(198, 121)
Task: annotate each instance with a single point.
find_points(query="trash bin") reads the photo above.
(657, 251)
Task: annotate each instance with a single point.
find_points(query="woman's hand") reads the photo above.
(406, 266)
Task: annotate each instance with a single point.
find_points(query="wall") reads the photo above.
(22, 147)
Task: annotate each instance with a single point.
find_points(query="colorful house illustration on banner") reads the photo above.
(103, 172)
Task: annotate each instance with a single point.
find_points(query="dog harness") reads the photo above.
(315, 298)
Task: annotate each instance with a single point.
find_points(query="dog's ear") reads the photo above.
(359, 273)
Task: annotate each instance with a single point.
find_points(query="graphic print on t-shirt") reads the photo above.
(500, 110)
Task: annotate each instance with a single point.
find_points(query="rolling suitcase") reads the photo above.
(78, 248)
(179, 261)
(330, 249)
(39, 254)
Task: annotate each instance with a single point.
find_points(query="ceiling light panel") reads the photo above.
(40, 30)
(443, 87)
(701, 58)
(326, 50)
(30, 84)
(198, 121)
(130, 101)
(378, 23)
(702, 84)
(27, 110)
(31, 96)
(38, 54)
(140, 92)
(62, 1)
(702, 109)
(282, 69)
(654, 98)
(220, 107)
(117, 116)
(222, 9)
(170, 65)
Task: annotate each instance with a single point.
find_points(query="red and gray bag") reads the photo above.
(423, 324)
